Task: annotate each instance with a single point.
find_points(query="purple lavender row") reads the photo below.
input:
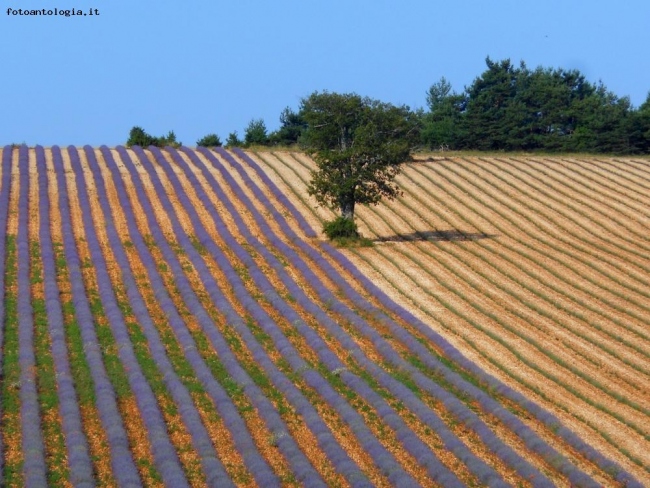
(298, 364)
(34, 467)
(212, 467)
(122, 463)
(383, 459)
(256, 464)
(5, 187)
(508, 455)
(478, 467)
(483, 472)
(244, 443)
(279, 380)
(487, 403)
(340, 459)
(461, 411)
(79, 463)
(164, 454)
(438, 471)
(123, 467)
(333, 450)
(300, 465)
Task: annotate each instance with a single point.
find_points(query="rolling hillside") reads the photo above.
(173, 317)
(538, 269)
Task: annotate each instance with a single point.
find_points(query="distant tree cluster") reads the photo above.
(138, 137)
(506, 108)
(511, 108)
(291, 128)
(359, 144)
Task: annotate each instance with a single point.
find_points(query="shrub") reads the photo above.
(234, 140)
(344, 232)
(211, 140)
(168, 140)
(256, 133)
(341, 227)
(138, 137)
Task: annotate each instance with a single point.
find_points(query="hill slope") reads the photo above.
(170, 318)
(536, 268)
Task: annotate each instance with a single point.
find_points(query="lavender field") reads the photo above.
(172, 318)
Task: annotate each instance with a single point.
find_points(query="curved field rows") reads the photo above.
(536, 268)
(171, 318)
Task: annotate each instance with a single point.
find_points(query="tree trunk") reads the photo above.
(346, 203)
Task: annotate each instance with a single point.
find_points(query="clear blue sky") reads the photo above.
(211, 66)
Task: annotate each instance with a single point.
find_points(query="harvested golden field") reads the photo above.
(535, 268)
(171, 317)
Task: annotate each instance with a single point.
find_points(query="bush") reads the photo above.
(256, 133)
(344, 233)
(341, 228)
(138, 137)
(211, 140)
(234, 140)
(168, 140)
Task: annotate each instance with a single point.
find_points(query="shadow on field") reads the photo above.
(437, 235)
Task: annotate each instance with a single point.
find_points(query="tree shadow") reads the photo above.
(437, 235)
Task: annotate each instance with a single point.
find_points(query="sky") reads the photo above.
(201, 67)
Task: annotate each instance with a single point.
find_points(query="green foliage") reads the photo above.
(291, 128)
(359, 145)
(211, 140)
(256, 133)
(442, 126)
(341, 227)
(234, 140)
(10, 385)
(491, 108)
(138, 137)
(438, 94)
(514, 108)
(639, 127)
(169, 140)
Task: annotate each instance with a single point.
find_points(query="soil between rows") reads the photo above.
(409, 293)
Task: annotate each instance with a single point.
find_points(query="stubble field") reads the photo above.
(536, 268)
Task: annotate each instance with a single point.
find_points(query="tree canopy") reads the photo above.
(233, 140)
(255, 133)
(358, 145)
(138, 137)
(514, 108)
(508, 107)
(210, 140)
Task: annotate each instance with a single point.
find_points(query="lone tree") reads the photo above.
(359, 145)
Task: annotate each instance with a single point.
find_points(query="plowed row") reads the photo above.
(171, 317)
(536, 268)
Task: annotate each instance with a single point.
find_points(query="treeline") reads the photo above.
(513, 108)
(506, 108)
(138, 137)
